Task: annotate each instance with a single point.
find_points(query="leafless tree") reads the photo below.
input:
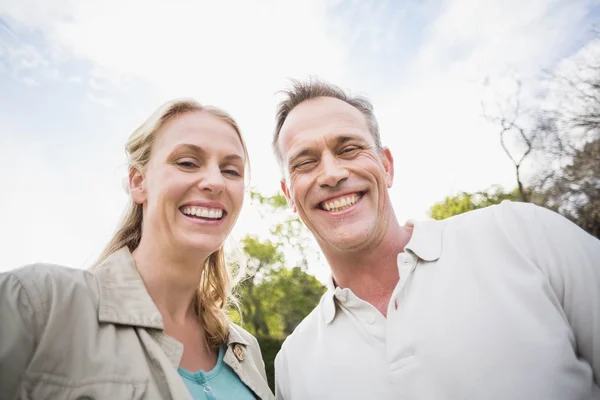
(508, 118)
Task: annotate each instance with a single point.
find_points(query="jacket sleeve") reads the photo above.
(572, 259)
(17, 334)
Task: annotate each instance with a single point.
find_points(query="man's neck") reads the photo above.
(372, 275)
(171, 281)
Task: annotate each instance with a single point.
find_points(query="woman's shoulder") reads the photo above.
(45, 285)
(240, 335)
(45, 276)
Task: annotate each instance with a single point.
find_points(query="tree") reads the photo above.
(575, 191)
(571, 127)
(261, 255)
(275, 297)
(563, 133)
(465, 202)
(291, 294)
(509, 118)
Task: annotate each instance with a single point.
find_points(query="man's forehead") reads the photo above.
(320, 112)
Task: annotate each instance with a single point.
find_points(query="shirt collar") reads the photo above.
(426, 239)
(328, 305)
(425, 243)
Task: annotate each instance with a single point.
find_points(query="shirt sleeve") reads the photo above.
(17, 334)
(572, 259)
(281, 377)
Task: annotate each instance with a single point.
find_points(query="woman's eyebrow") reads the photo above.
(199, 150)
(192, 147)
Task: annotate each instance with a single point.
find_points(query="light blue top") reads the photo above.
(217, 384)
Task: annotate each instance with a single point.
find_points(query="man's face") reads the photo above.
(337, 179)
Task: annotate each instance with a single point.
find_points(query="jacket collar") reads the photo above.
(425, 243)
(124, 299)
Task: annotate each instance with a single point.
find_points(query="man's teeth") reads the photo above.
(342, 203)
(211, 213)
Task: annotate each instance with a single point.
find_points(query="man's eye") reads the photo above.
(304, 164)
(349, 149)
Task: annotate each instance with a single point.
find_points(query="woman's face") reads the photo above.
(193, 187)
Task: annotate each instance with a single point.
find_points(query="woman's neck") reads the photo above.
(171, 280)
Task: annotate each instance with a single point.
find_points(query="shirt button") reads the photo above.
(404, 258)
(342, 298)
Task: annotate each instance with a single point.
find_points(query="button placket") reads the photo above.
(400, 341)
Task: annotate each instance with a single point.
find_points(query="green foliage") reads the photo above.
(269, 347)
(261, 253)
(277, 201)
(465, 202)
(291, 294)
(276, 296)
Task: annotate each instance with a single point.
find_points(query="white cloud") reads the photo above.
(237, 55)
(101, 100)
(433, 121)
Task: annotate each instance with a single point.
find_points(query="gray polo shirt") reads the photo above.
(501, 303)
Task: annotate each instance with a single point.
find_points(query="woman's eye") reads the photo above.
(231, 172)
(186, 164)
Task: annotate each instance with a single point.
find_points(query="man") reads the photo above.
(500, 303)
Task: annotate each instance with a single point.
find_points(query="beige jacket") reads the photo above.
(77, 334)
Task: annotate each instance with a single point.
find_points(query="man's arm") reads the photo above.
(281, 377)
(17, 334)
(572, 257)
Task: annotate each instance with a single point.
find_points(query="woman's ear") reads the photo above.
(137, 187)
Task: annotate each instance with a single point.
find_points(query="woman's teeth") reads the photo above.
(202, 212)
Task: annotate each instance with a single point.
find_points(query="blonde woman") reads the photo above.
(148, 321)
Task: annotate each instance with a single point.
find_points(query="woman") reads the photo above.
(149, 321)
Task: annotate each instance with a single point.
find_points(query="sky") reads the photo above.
(77, 77)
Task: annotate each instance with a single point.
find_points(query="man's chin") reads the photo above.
(346, 242)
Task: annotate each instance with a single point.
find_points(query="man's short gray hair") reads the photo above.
(301, 91)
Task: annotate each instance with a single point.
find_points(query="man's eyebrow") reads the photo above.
(347, 138)
(300, 154)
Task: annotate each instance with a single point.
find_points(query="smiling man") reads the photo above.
(500, 303)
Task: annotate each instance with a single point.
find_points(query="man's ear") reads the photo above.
(137, 187)
(388, 165)
(288, 196)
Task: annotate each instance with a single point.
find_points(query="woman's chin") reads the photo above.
(207, 244)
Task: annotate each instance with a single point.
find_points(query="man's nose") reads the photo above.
(333, 172)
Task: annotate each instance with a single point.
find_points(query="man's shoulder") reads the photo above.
(506, 214)
(506, 208)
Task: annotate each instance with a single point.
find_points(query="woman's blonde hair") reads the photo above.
(215, 289)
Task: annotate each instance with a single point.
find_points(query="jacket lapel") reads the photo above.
(240, 360)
